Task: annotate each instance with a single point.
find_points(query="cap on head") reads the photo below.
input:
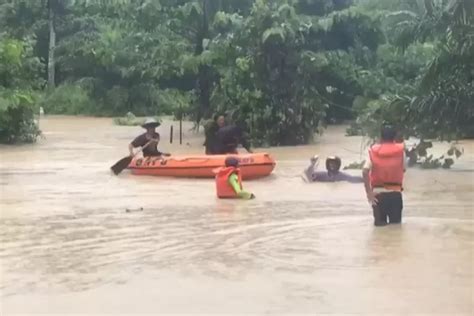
(335, 161)
(150, 123)
(231, 162)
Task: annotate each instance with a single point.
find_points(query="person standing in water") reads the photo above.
(332, 174)
(210, 131)
(229, 138)
(149, 150)
(229, 181)
(383, 178)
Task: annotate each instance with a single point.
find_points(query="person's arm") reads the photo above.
(371, 197)
(210, 130)
(156, 139)
(311, 172)
(142, 141)
(352, 179)
(405, 162)
(159, 153)
(245, 143)
(137, 142)
(234, 182)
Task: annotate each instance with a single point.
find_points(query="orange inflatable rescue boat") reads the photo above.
(201, 166)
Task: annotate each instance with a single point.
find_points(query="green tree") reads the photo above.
(443, 105)
(18, 80)
(282, 67)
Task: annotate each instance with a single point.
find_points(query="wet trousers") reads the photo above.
(388, 209)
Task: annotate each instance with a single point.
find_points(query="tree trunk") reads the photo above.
(52, 46)
(429, 7)
(203, 80)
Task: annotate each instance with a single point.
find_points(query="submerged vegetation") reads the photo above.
(418, 156)
(281, 68)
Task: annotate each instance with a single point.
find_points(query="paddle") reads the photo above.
(124, 162)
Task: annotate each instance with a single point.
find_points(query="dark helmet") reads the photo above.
(334, 159)
(231, 162)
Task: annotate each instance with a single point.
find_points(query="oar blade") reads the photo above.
(121, 165)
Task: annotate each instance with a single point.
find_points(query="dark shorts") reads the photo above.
(388, 209)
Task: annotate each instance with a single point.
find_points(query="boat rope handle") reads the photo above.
(185, 159)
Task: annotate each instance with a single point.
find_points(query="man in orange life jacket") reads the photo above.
(229, 181)
(383, 178)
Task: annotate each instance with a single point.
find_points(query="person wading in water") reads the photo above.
(229, 181)
(210, 131)
(333, 165)
(149, 149)
(383, 178)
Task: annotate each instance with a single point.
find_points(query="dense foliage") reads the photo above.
(18, 81)
(438, 102)
(282, 68)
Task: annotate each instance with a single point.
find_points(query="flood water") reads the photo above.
(68, 246)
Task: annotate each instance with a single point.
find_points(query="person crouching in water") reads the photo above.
(229, 181)
(383, 178)
(333, 173)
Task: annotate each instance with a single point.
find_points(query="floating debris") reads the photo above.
(131, 210)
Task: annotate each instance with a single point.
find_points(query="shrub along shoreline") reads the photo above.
(281, 68)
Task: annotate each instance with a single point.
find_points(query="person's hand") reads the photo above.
(372, 198)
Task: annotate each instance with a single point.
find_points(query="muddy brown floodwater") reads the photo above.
(69, 247)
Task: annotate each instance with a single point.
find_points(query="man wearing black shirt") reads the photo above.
(229, 138)
(151, 149)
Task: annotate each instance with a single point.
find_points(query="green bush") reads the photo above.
(173, 101)
(17, 110)
(18, 78)
(131, 120)
(68, 99)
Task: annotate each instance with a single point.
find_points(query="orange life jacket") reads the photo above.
(223, 188)
(387, 165)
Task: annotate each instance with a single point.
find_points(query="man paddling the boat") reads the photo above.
(148, 141)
